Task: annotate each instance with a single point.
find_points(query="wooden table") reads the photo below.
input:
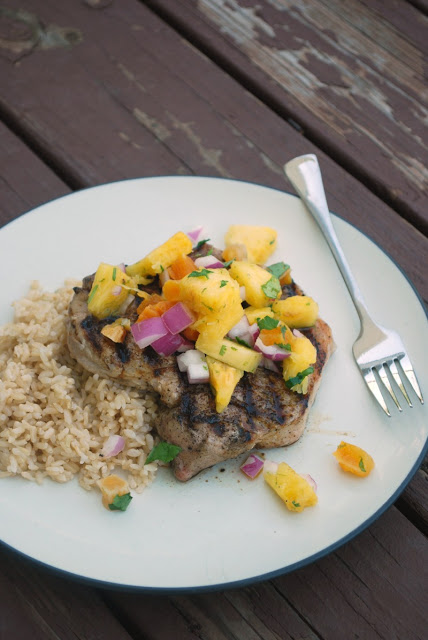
(93, 91)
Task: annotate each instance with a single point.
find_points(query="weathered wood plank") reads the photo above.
(364, 105)
(36, 604)
(413, 502)
(373, 587)
(25, 181)
(99, 112)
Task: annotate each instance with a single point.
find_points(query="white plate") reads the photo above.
(218, 529)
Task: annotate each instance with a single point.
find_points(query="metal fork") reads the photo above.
(379, 352)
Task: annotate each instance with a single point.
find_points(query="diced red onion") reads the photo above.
(112, 446)
(164, 277)
(270, 466)
(178, 318)
(242, 292)
(122, 267)
(254, 330)
(298, 333)
(187, 345)
(272, 352)
(268, 364)
(240, 328)
(148, 331)
(198, 373)
(190, 357)
(117, 290)
(208, 262)
(195, 234)
(167, 344)
(123, 307)
(252, 467)
(311, 481)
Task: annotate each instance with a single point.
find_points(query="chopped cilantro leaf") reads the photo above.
(267, 323)
(114, 273)
(203, 273)
(210, 308)
(278, 269)
(223, 283)
(283, 331)
(228, 263)
(164, 452)
(201, 243)
(120, 503)
(281, 345)
(210, 252)
(162, 269)
(93, 292)
(242, 342)
(361, 465)
(271, 288)
(234, 348)
(299, 378)
(296, 504)
(272, 241)
(223, 350)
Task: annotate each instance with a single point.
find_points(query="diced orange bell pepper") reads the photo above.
(285, 278)
(155, 310)
(181, 267)
(190, 334)
(171, 290)
(354, 459)
(114, 332)
(153, 299)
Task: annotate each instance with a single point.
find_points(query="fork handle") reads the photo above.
(305, 175)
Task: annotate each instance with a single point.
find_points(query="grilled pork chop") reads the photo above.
(263, 413)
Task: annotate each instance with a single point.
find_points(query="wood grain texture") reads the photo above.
(36, 604)
(25, 181)
(353, 83)
(373, 587)
(100, 113)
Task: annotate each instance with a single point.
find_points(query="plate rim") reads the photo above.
(244, 582)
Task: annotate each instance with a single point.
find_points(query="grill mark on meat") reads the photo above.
(122, 352)
(92, 332)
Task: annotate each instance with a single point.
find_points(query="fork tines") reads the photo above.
(379, 379)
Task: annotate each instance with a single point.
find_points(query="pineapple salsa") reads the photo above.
(223, 317)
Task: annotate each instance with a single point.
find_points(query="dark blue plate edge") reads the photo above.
(255, 579)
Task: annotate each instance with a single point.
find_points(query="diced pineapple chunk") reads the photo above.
(223, 379)
(303, 355)
(229, 352)
(294, 490)
(162, 257)
(259, 241)
(115, 492)
(261, 287)
(296, 311)
(253, 313)
(107, 294)
(214, 298)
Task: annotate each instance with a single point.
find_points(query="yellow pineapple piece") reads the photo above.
(294, 490)
(259, 241)
(296, 311)
(261, 287)
(109, 291)
(253, 313)
(235, 252)
(229, 352)
(113, 488)
(223, 380)
(214, 298)
(162, 257)
(303, 355)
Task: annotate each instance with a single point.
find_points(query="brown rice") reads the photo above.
(54, 415)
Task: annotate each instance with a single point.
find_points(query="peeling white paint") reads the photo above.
(157, 128)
